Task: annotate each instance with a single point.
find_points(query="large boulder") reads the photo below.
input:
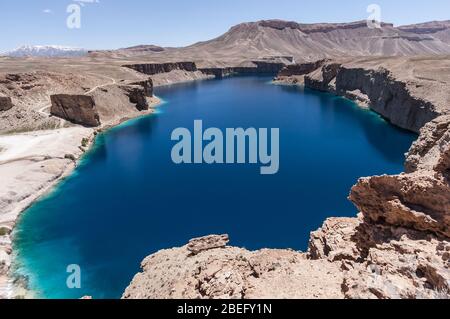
(217, 271)
(78, 109)
(5, 103)
(420, 198)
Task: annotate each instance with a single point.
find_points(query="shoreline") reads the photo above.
(12, 155)
(20, 209)
(346, 97)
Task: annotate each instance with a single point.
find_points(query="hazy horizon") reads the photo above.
(176, 23)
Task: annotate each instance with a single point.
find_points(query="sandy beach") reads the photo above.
(31, 165)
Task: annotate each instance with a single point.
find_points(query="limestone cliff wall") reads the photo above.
(300, 69)
(253, 68)
(109, 103)
(156, 68)
(248, 68)
(388, 96)
(377, 88)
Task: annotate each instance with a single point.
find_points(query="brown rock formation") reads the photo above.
(300, 69)
(5, 103)
(198, 245)
(387, 96)
(79, 109)
(156, 68)
(137, 95)
(147, 86)
(420, 198)
(385, 262)
(250, 68)
(388, 87)
(227, 272)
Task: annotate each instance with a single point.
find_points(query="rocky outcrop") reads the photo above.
(197, 245)
(79, 109)
(395, 95)
(316, 28)
(147, 86)
(138, 92)
(221, 272)
(384, 262)
(137, 95)
(388, 97)
(301, 68)
(156, 68)
(5, 103)
(264, 66)
(252, 68)
(323, 79)
(420, 198)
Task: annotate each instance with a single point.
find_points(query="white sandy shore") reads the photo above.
(31, 164)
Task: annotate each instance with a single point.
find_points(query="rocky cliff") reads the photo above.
(79, 109)
(156, 68)
(207, 268)
(407, 95)
(246, 68)
(139, 92)
(243, 68)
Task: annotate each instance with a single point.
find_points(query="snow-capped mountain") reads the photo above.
(46, 51)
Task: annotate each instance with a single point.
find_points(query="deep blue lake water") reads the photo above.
(127, 199)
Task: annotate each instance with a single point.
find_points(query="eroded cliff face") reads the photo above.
(156, 68)
(79, 109)
(249, 68)
(207, 268)
(104, 104)
(296, 70)
(139, 92)
(387, 96)
(379, 89)
(190, 68)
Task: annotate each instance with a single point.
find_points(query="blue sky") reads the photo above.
(115, 23)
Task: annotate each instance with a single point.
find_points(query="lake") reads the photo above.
(127, 199)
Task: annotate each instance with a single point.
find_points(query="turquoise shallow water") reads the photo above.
(127, 199)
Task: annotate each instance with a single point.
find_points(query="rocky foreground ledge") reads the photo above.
(397, 247)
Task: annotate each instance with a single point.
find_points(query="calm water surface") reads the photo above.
(128, 200)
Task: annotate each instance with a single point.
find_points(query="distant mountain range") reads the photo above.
(308, 41)
(46, 51)
(285, 38)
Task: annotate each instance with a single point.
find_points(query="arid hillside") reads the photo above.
(309, 41)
